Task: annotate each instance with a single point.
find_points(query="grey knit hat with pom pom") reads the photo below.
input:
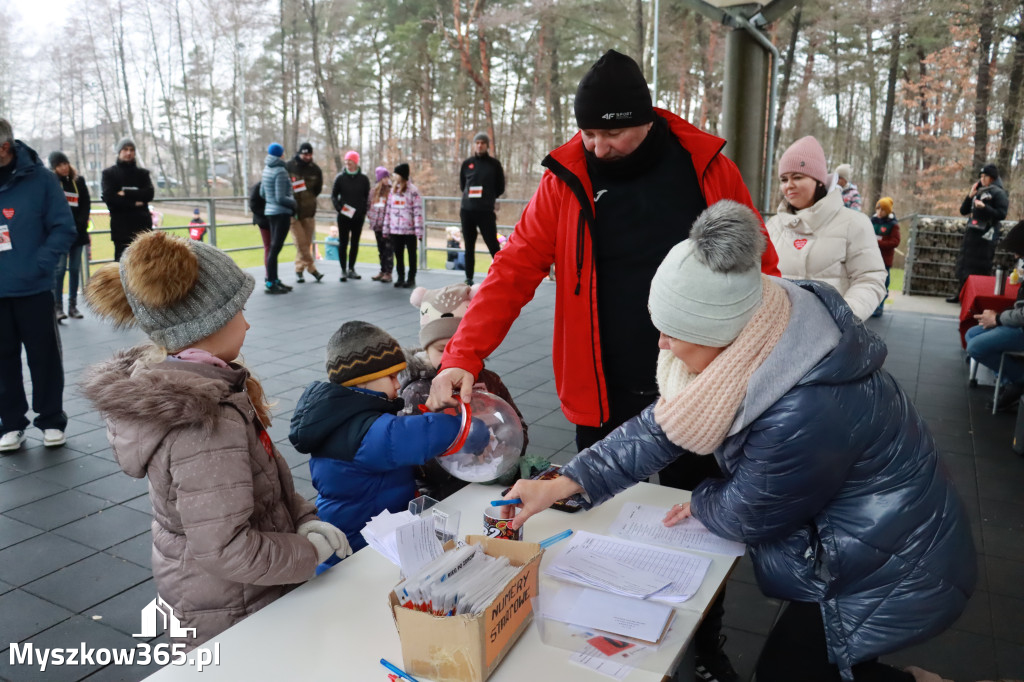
(709, 286)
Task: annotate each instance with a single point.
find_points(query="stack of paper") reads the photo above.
(643, 522)
(629, 568)
(379, 533)
(642, 620)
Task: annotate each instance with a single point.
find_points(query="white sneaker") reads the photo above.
(11, 440)
(53, 437)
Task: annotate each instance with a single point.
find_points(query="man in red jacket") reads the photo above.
(613, 201)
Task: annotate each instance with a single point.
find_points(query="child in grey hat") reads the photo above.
(230, 534)
(363, 455)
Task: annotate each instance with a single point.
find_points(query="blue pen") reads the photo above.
(398, 671)
(544, 544)
(502, 503)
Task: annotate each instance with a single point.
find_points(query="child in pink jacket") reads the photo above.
(403, 222)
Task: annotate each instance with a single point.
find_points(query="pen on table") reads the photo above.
(398, 671)
(544, 544)
(502, 503)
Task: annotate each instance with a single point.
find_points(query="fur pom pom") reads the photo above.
(160, 269)
(416, 297)
(106, 297)
(727, 237)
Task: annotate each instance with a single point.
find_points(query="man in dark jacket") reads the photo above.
(127, 191)
(350, 197)
(614, 200)
(36, 227)
(307, 181)
(482, 181)
(986, 204)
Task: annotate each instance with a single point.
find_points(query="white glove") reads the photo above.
(323, 548)
(334, 537)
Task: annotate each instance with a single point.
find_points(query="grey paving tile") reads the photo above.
(1005, 577)
(747, 609)
(88, 582)
(138, 550)
(1008, 619)
(118, 487)
(1009, 660)
(1002, 513)
(33, 616)
(550, 437)
(29, 460)
(141, 503)
(57, 510)
(12, 532)
(955, 654)
(1003, 543)
(71, 633)
(24, 490)
(39, 556)
(107, 527)
(743, 648)
(121, 611)
(78, 471)
(9, 473)
(977, 617)
(88, 443)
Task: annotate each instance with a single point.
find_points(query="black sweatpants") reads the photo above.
(279, 226)
(29, 321)
(685, 473)
(487, 223)
(796, 651)
(349, 230)
(403, 243)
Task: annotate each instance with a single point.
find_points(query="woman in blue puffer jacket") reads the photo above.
(831, 476)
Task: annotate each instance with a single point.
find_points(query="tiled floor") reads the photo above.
(74, 538)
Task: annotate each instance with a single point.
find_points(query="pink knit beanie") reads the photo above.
(352, 155)
(805, 156)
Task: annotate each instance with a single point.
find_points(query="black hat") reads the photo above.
(360, 352)
(1014, 239)
(305, 148)
(990, 170)
(403, 170)
(613, 94)
(57, 158)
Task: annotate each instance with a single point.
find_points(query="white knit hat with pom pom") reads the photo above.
(709, 286)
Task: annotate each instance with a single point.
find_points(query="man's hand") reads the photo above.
(979, 203)
(121, 193)
(987, 319)
(445, 383)
(677, 514)
(974, 188)
(538, 496)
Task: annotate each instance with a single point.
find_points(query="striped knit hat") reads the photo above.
(360, 352)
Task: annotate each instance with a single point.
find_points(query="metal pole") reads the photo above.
(423, 246)
(654, 48)
(211, 212)
(245, 127)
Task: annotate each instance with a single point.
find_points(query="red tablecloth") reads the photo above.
(977, 296)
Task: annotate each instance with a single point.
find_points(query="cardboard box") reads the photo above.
(468, 648)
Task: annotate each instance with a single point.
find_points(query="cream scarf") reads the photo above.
(696, 410)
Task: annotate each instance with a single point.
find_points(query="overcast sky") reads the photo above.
(41, 17)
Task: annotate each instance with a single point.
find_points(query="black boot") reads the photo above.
(411, 282)
(73, 311)
(400, 282)
(58, 310)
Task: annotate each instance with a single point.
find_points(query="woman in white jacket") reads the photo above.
(818, 238)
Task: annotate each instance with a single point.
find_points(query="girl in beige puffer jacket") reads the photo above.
(230, 534)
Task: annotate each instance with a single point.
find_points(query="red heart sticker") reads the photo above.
(8, 213)
(471, 166)
(799, 243)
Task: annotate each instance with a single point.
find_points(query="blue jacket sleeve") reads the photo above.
(394, 441)
(58, 224)
(629, 454)
(792, 462)
(283, 189)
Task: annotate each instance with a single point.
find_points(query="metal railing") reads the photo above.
(432, 209)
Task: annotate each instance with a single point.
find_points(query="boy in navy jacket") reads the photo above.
(363, 455)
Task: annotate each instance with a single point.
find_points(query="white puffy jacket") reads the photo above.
(830, 243)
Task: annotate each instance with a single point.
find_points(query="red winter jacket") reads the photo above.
(554, 230)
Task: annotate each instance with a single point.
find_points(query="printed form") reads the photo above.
(623, 564)
(643, 522)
